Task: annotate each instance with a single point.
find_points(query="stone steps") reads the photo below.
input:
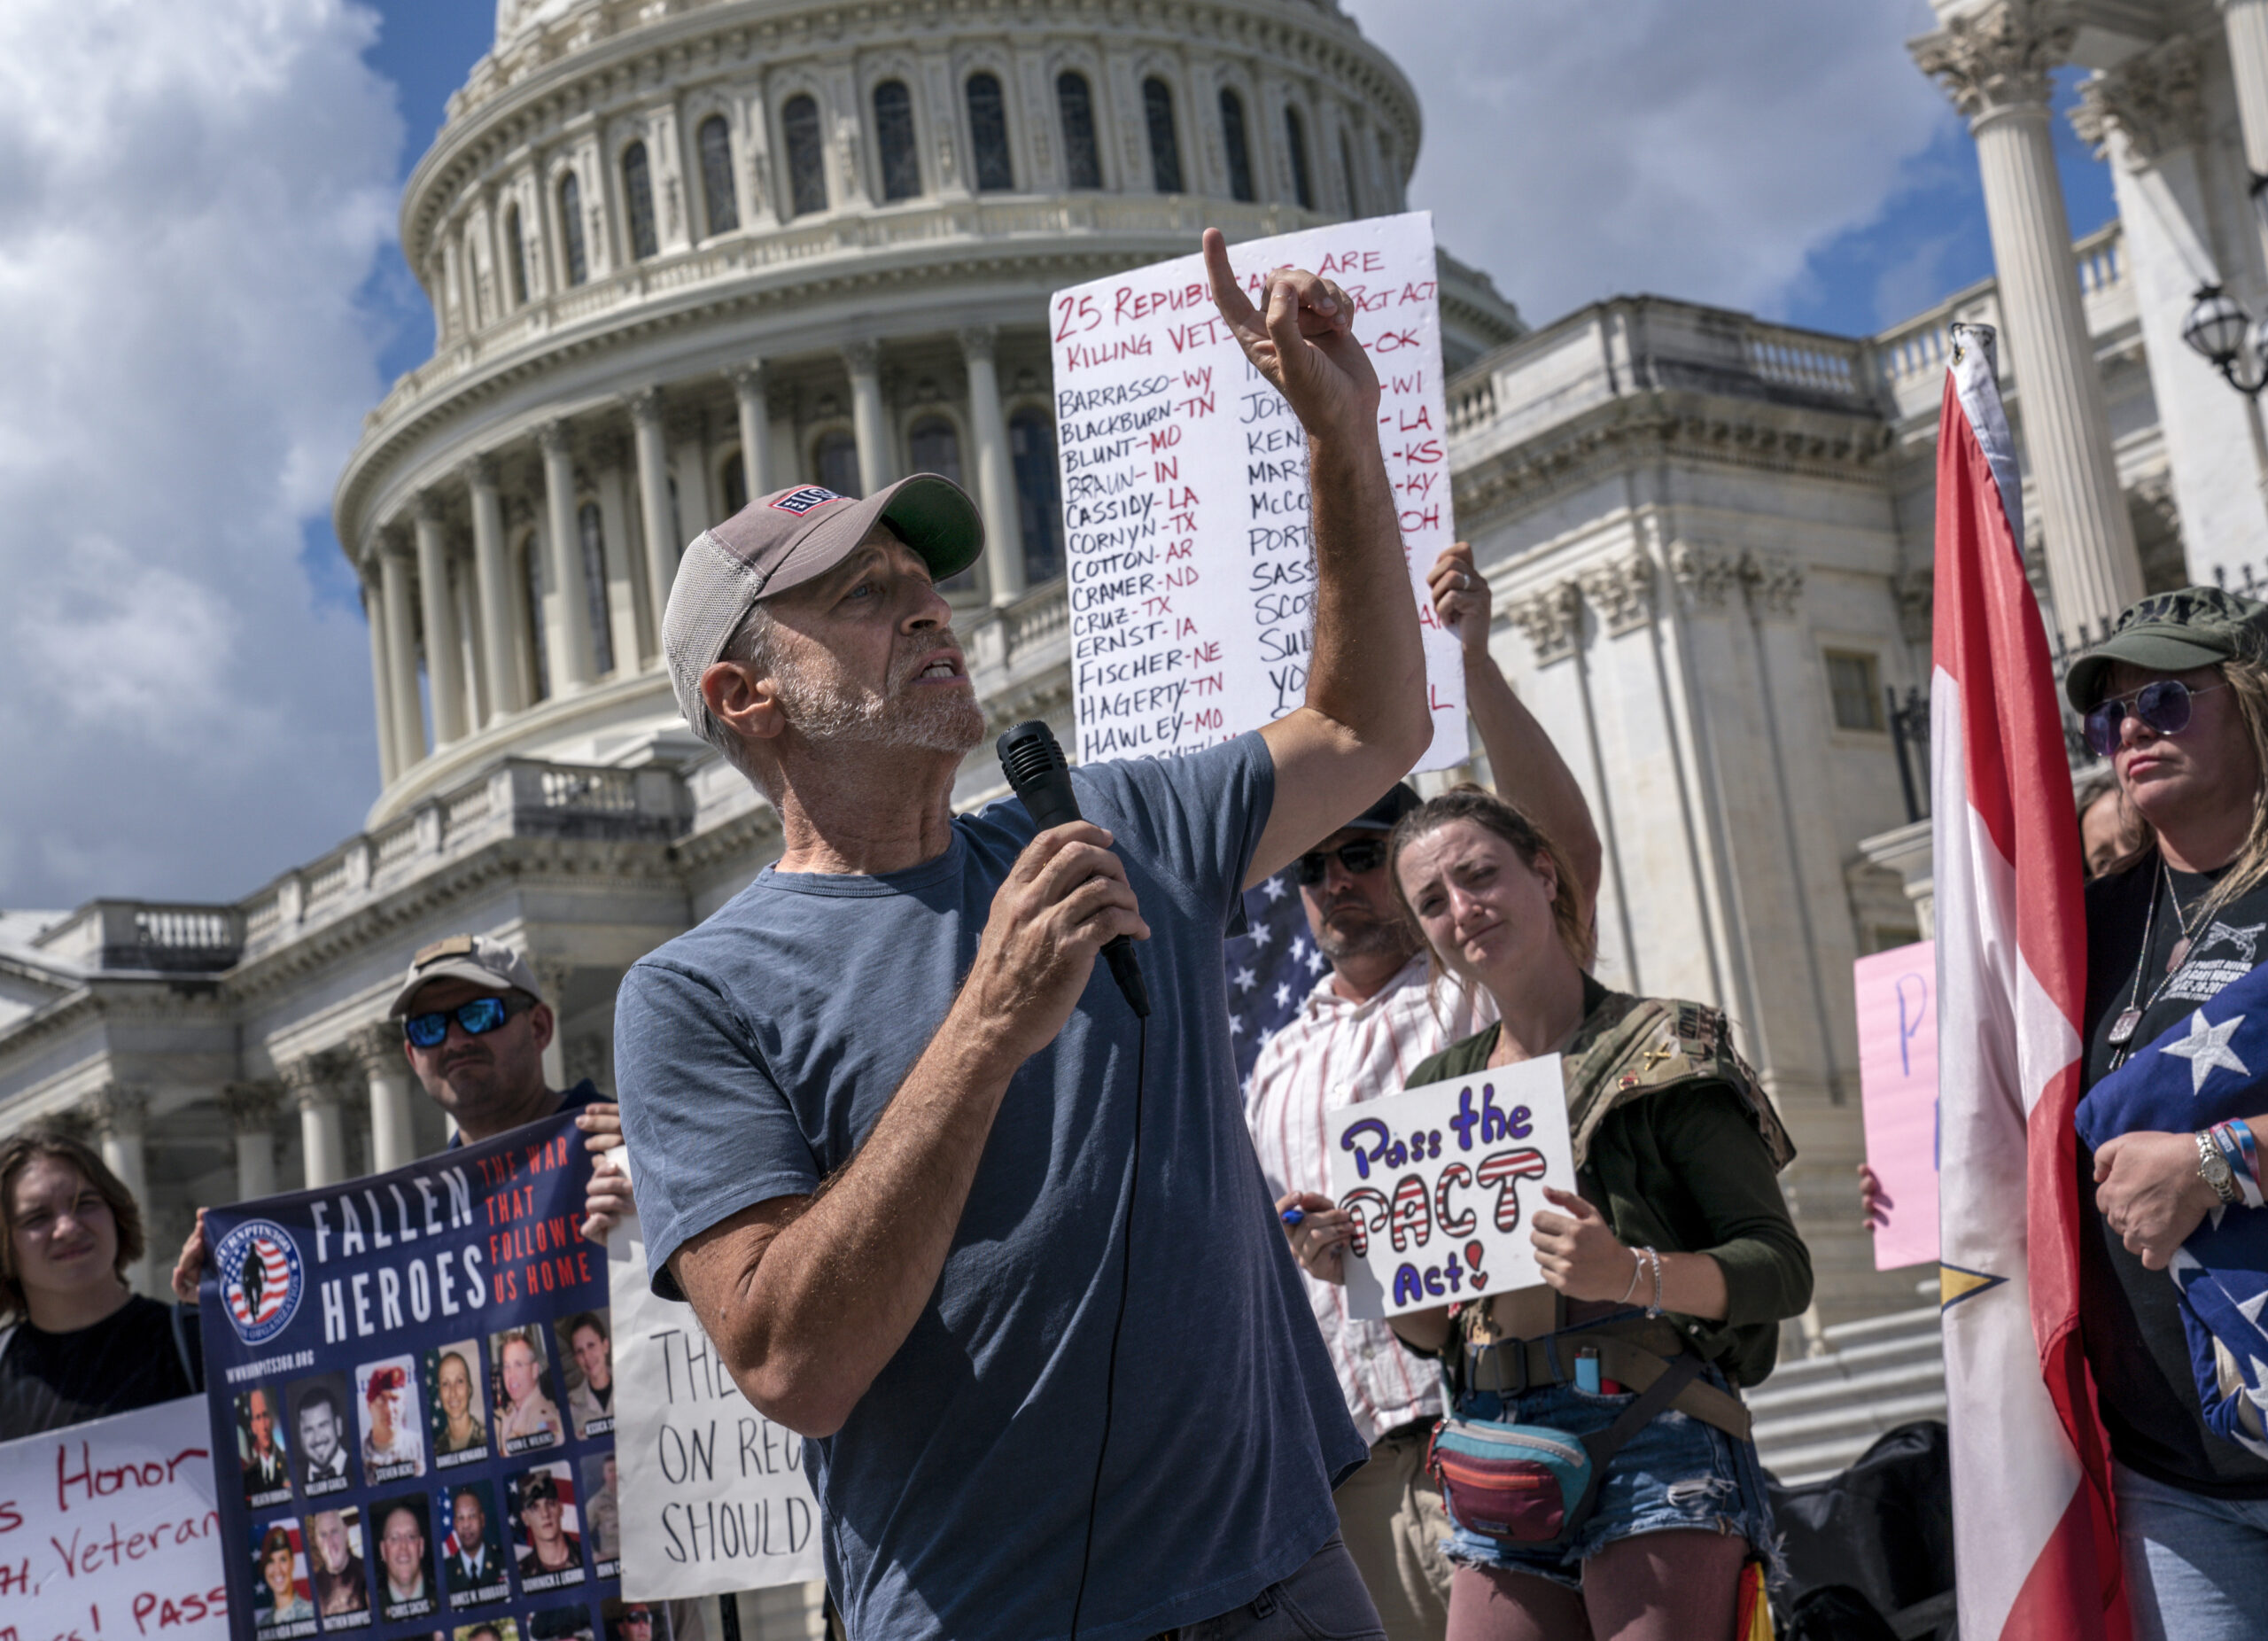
(1817, 1414)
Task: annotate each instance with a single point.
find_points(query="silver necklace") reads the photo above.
(2122, 1030)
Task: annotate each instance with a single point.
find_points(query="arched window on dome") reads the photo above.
(1295, 138)
(537, 645)
(638, 198)
(1239, 147)
(571, 229)
(1074, 106)
(988, 132)
(835, 459)
(592, 531)
(1040, 502)
(515, 256)
(1347, 164)
(736, 485)
(894, 141)
(1165, 144)
(806, 156)
(933, 446)
(717, 194)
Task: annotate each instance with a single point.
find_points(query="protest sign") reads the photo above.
(714, 1496)
(110, 1528)
(1897, 1090)
(1440, 1182)
(1190, 563)
(411, 1374)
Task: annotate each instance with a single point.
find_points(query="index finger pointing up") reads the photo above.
(1228, 295)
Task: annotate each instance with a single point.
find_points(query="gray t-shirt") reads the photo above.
(755, 1054)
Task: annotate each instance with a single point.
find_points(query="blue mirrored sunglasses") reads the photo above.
(481, 1015)
(2162, 705)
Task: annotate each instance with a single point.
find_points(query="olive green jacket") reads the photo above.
(1677, 1146)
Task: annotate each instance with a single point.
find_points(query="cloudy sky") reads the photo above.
(200, 295)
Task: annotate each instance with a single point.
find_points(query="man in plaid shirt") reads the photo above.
(1366, 1023)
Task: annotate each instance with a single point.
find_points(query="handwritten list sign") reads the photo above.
(1897, 1090)
(1192, 571)
(714, 1495)
(1441, 1182)
(111, 1530)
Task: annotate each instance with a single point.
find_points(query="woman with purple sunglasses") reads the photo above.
(2176, 697)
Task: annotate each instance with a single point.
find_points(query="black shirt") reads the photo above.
(584, 1094)
(2130, 1316)
(129, 1359)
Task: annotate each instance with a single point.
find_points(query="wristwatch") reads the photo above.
(2213, 1168)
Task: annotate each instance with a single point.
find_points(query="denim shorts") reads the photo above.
(1676, 1474)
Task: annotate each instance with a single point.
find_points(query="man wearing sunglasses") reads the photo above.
(474, 1027)
(1369, 1020)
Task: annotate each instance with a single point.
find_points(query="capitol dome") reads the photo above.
(683, 251)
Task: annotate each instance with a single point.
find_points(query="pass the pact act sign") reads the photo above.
(1441, 1181)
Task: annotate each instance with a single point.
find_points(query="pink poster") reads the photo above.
(1898, 1082)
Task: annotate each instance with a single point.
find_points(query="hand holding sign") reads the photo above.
(1440, 1185)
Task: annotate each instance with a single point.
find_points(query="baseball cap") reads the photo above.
(783, 540)
(489, 964)
(2171, 632)
(1401, 799)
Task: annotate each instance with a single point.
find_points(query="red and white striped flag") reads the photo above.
(2036, 1551)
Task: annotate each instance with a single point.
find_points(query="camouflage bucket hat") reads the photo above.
(2171, 632)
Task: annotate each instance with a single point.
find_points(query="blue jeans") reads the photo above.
(2196, 1566)
(1325, 1600)
(1676, 1474)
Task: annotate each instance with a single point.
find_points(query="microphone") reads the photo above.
(1036, 768)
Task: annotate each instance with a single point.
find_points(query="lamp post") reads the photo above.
(2219, 330)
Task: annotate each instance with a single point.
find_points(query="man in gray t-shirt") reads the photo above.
(884, 1104)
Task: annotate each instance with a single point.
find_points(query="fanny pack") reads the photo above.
(1532, 1484)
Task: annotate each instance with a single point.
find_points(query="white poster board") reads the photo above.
(714, 1497)
(1442, 1181)
(110, 1529)
(1190, 564)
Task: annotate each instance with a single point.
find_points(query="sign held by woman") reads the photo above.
(1441, 1181)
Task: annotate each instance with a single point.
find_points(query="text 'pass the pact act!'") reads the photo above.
(1189, 556)
(1439, 1183)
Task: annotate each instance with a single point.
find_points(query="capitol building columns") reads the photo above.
(756, 429)
(376, 1050)
(1995, 64)
(655, 512)
(996, 479)
(567, 621)
(869, 420)
(323, 1126)
(444, 656)
(501, 667)
(252, 1108)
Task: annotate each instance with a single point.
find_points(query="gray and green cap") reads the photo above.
(2171, 632)
(783, 540)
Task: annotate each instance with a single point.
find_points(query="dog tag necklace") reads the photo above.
(2122, 1030)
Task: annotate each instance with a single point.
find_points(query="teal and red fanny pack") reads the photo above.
(1532, 1484)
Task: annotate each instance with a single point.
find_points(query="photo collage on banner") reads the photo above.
(416, 1373)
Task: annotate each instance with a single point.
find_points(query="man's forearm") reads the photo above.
(1367, 670)
(1528, 769)
(837, 1291)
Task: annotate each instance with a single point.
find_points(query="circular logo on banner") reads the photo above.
(260, 1279)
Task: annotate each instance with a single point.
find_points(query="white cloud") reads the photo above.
(192, 195)
(1577, 150)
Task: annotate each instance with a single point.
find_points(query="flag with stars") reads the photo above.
(2200, 1072)
(1271, 968)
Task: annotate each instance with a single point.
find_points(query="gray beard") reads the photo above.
(894, 718)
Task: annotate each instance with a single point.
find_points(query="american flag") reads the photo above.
(1271, 969)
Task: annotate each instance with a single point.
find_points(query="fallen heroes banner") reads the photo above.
(410, 1378)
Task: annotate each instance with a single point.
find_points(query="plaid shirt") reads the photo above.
(1331, 1054)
